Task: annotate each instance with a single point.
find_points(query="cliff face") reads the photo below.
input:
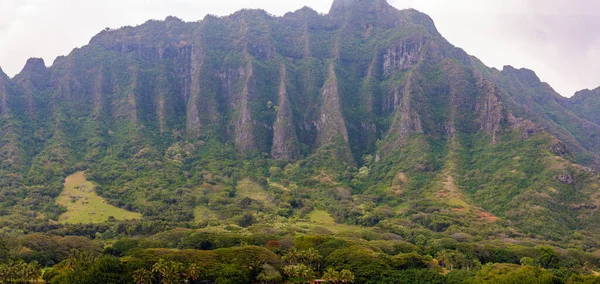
(327, 91)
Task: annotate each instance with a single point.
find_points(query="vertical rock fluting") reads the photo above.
(285, 141)
(404, 55)
(305, 39)
(32, 79)
(405, 121)
(197, 103)
(162, 116)
(331, 126)
(459, 101)
(244, 124)
(369, 89)
(489, 109)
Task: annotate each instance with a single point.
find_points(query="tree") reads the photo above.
(527, 261)
(299, 273)
(331, 275)
(193, 272)
(311, 257)
(170, 272)
(143, 276)
(548, 258)
(33, 272)
(273, 245)
(346, 276)
(78, 259)
(232, 274)
(292, 257)
(269, 275)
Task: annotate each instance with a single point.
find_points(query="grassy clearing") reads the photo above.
(321, 217)
(248, 188)
(85, 206)
(203, 214)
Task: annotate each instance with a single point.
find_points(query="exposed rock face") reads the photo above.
(244, 126)
(403, 56)
(565, 178)
(526, 127)
(406, 121)
(331, 125)
(561, 149)
(490, 110)
(285, 141)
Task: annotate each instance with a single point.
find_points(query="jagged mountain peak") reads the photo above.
(34, 65)
(341, 5)
(524, 74)
(372, 11)
(34, 74)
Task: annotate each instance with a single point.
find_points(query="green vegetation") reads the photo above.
(85, 206)
(248, 257)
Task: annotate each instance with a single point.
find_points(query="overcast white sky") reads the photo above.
(559, 39)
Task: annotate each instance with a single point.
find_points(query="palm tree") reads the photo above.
(78, 258)
(194, 272)
(292, 257)
(159, 267)
(300, 271)
(171, 272)
(346, 276)
(445, 259)
(312, 257)
(142, 276)
(36, 271)
(331, 275)
(30, 272)
(19, 270)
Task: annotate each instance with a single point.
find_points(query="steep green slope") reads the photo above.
(366, 113)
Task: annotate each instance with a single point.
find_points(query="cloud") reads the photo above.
(558, 39)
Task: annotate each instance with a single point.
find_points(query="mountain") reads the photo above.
(366, 112)
(585, 104)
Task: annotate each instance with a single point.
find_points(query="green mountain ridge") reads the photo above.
(366, 112)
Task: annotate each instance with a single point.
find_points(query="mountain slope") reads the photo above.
(366, 112)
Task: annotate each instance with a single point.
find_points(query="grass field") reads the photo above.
(248, 188)
(321, 217)
(85, 206)
(203, 214)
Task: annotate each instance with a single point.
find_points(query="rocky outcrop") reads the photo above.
(285, 141)
(403, 56)
(331, 126)
(406, 121)
(526, 127)
(565, 178)
(244, 124)
(560, 149)
(489, 108)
